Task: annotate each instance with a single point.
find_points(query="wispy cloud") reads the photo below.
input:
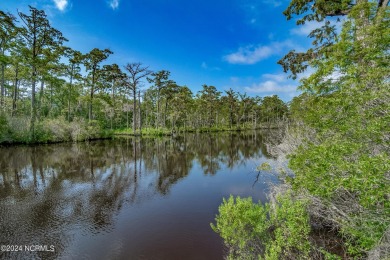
(252, 54)
(281, 77)
(114, 4)
(304, 30)
(61, 4)
(271, 87)
(249, 55)
(273, 84)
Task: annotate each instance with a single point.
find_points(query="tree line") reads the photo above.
(42, 80)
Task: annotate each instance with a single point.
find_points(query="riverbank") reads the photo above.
(15, 131)
(169, 132)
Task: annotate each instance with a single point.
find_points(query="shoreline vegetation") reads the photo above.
(59, 130)
(169, 132)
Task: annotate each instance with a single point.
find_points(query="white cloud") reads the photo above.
(279, 83)
(249, 55)
(306, 29)
(61, 4)
(305, 74)
(253, 54)
(281, 77)
(114, 4)
(274, 84)
(271, 86)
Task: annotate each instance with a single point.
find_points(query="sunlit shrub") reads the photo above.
(264, 231)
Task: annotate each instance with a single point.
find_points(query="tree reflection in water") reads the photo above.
(50, 193)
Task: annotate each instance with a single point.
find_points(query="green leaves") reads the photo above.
(350, 114)
(256, 231)
(346, 103)
(292, 229)
(240, 222)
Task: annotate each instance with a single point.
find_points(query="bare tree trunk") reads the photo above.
(91, 96)
(113, 101)
(158, 110)
(51, 98)
(70, 92)
(2, 105)
(134, 110)
(127, 116)
(15, 94)
(39, 105)
(165, 112)
(90, 105)
(139, 113)
(33, 105)
(255, 120)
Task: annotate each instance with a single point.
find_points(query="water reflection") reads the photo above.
(59, 194)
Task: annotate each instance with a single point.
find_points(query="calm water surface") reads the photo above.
(128, 198)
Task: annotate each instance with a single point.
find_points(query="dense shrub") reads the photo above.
(4, 132)
(17, 130)
(271, 231)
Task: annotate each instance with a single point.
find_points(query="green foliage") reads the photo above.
(291, 234)
(343, 164)
(17, 130)
(3, 128)
(256, 231)
(340, 166)
(243, 224)
(145, 131)
(14, 129)
(272, 108)
(347, 104)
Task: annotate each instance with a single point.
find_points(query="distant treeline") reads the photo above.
(50, 92)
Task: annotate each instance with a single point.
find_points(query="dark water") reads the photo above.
(128, 198)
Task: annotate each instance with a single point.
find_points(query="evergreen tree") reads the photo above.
(40, 39)
(92, 62)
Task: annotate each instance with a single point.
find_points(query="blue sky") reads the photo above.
(226, 43)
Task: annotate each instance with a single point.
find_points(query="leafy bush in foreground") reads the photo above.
(270, 231)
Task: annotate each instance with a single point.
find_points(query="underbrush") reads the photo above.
(277, 230)
(18, 130)
(150, 131)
